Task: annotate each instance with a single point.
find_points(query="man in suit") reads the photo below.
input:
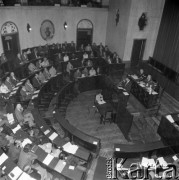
(148, 81)
(25, 94)
(36, 82)
(52, 71)
(141, 75)
(126, 84)
(13, 79)
(8, 83)
(28, 86)
(32, 68)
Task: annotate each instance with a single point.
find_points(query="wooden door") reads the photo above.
(137, 52)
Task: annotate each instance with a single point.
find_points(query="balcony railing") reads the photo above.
(70, 3)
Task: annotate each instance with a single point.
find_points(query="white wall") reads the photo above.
(116, 35)
(154, 9)
(58, 15)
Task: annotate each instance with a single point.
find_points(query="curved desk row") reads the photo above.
(50, 162)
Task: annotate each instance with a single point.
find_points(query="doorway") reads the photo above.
(84, 33)
(10, 40)
(137, 52)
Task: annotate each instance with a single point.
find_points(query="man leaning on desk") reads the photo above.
(125, 84)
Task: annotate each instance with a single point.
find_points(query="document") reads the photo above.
(34, 96)
(95, 142)
(15, 88)
(25, 176)
(18, 83)
(148, 162)
(53, 136)
(16, 129)
(162, 162)
(169, 117)
(72, 167)
(15, 173)
(3, 158)
(126, 93)
(101, 102)
(48, 159)
(117, 149)
(47, 131)
(70, 148)
(35, 92)
(175, 158)
(60, 165)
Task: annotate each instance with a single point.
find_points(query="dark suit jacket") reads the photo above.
(9, 85)
(24, 95)
(127, 86)
(14, 81)
(36, 83)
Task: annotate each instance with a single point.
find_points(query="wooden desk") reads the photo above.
(142, 94)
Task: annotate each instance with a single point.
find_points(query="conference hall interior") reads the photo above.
(89, 89)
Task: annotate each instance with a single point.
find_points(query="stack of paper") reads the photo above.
(162, 162)
(25, 176)
(26, 141)
(16, 129)
(126, 93)
(53, 136)
(95, 142)
(148, 162)
(10, 118)
(48, 159)
(47, 131)
(169, 117)
(3, 158)
(15, 173)
(70, 148)
(72, 167)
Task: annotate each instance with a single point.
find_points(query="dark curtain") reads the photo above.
(167, 44)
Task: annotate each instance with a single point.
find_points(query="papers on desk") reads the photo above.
(13, 92)
(10, 118)
(60, 165)
(23, 79)
(48, 159)
(72, 167)
(148, 162)
(101, 102)
(34, 96)
(175, 158)
(162, 162)
(70, 148)
(117, 149)
(26, 177)
(47, 131)
(3, 158)
(26, 141)
(120, 87)
(16, 129)
(169, 117)
(134, 77)
(154, 93)
(95, 142)
(142, 85)
(126, 93)
(15, 173)
(18, 84)
(35, 92)
(53, 136)
(15, 88)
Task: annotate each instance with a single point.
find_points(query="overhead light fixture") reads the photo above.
(65, 25)
(28, 27)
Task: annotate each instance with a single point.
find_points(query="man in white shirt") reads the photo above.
(99, 98)
(85, 56)
(92, 72)
(65, 58)
(4, 89)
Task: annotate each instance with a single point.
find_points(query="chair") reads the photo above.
(156, 107)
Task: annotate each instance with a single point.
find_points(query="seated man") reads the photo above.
(88, 48)
(141, 75)
(25, 94)
(89, 63)
(85, 55)
(32, 68)
(77, 74)
(41, 77)
(19, 114)
(99, 98)
(39, 64)
(36, 82)
(52, 71)
(3, 88)
(92, 72)
(69, 67)
(148, 81)
(13, 79)
(85, 72)
(66, 58)
(46, 74)
(8, 83)
(125, 84)
(45, 63)
(24, 57)
(28, 86)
